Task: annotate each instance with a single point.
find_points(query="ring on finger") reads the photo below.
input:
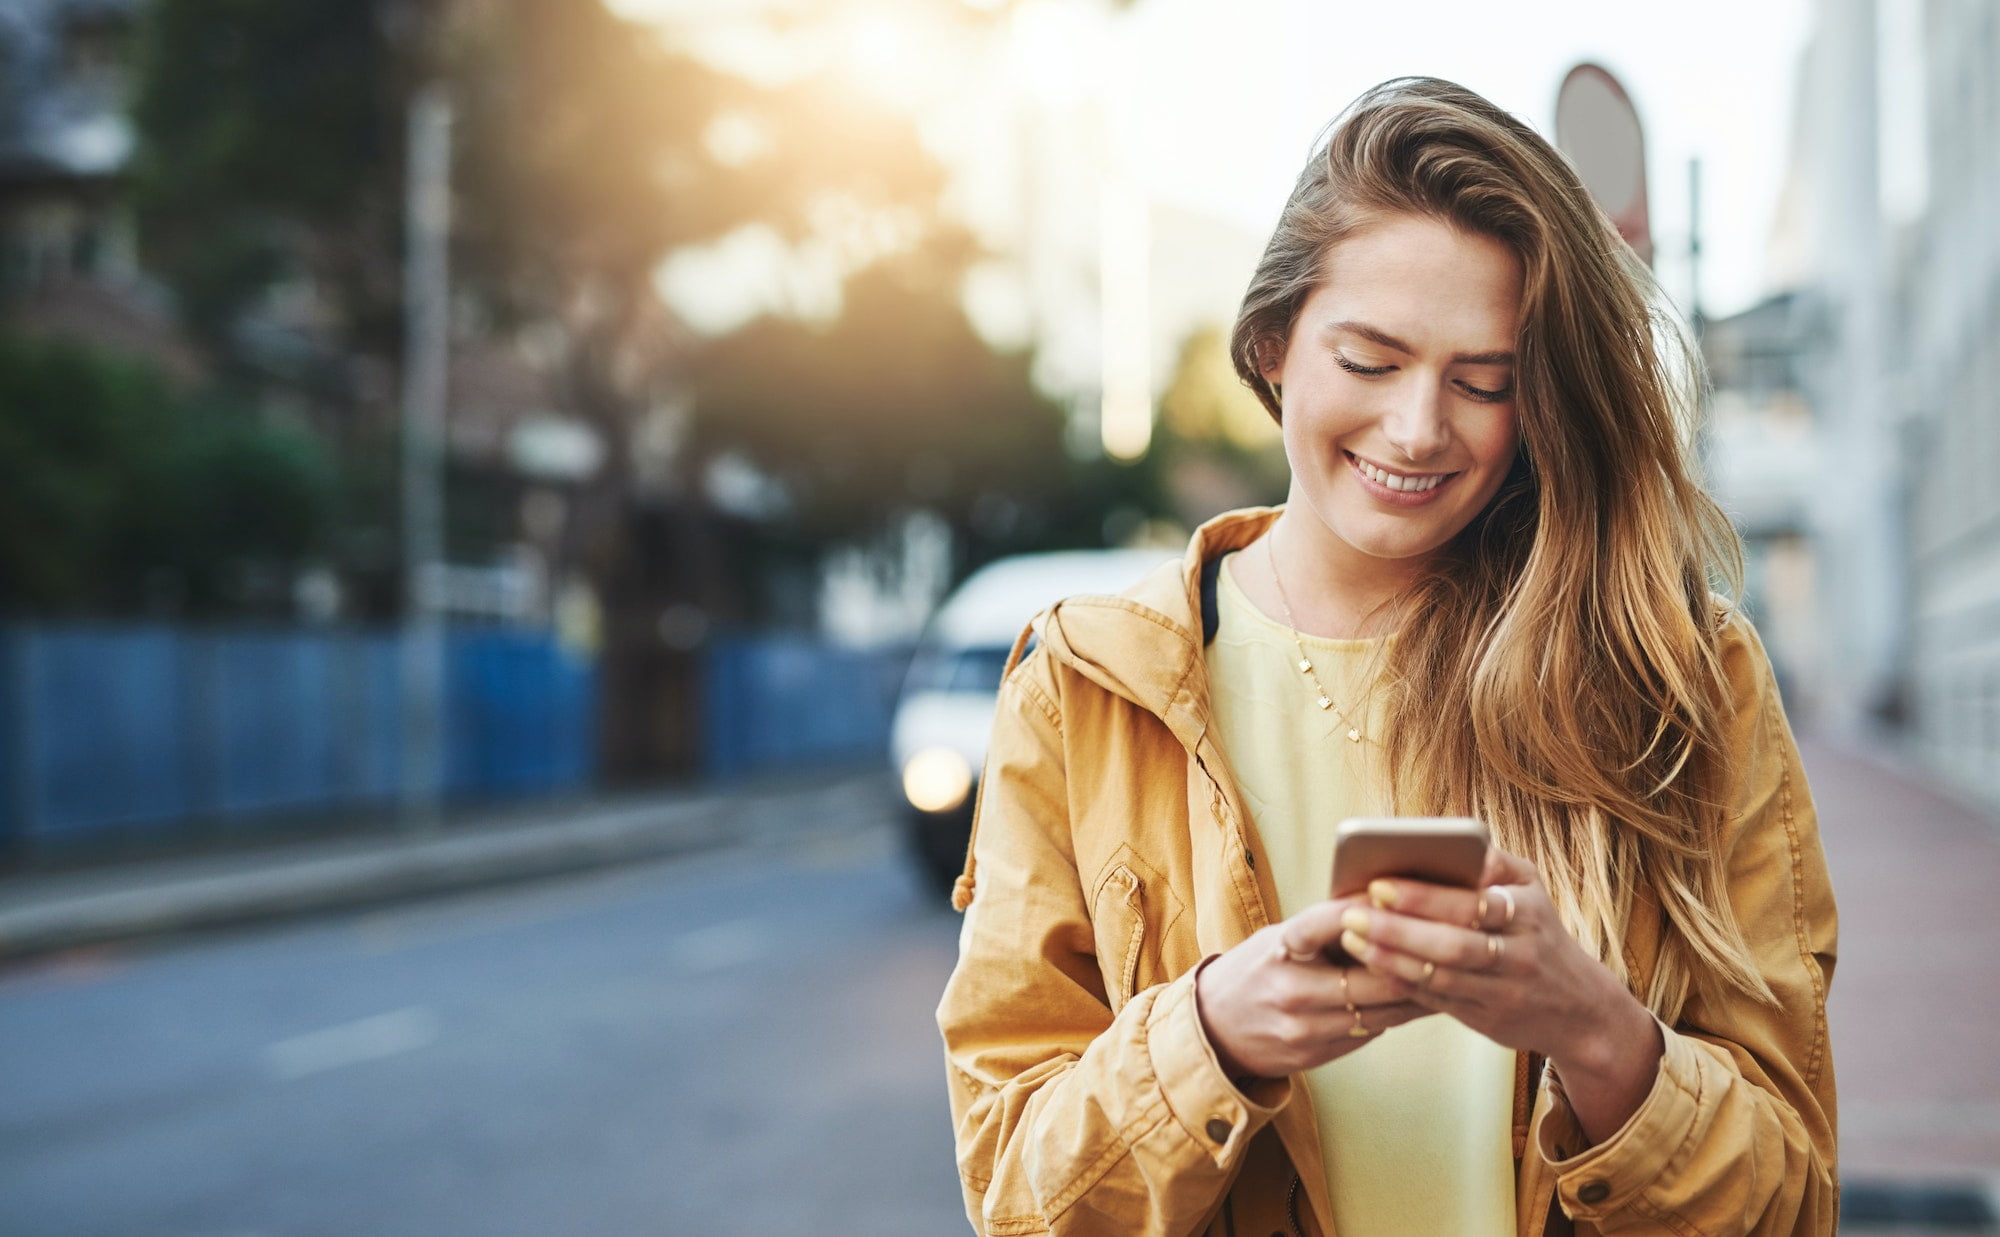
(1507, 896)
(1357, 1031)
(1495, 950)
(1430, 969)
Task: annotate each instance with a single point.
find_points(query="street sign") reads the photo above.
(1598, 128)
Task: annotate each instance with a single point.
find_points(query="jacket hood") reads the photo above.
(1145, 644)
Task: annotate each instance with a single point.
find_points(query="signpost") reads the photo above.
(1598, 128)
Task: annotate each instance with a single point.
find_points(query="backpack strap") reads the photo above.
(1211, 613)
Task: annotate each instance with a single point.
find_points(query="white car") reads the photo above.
(945, 714)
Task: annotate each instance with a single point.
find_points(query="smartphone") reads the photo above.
(1444, 850)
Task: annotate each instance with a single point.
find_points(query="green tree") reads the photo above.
(121, 493)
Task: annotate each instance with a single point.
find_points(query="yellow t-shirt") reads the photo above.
(1416, 1127)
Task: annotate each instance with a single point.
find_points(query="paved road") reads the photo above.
(739, 1043)
(743, 1043)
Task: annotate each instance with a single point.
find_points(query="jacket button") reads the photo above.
(1218, 1130)
(1593, 1192)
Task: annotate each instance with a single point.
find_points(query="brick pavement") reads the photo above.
(1914, 1010)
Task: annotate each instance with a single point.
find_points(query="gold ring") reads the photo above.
(1495, 949)
(1507, 894)
(1479, 915)
(1357, 1031)
(1430, 969)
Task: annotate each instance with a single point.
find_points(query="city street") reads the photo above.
(742, 1042)
(739, 1043)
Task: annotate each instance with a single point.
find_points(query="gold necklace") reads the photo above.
(1305, 663)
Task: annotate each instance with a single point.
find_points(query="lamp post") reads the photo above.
(427, 323)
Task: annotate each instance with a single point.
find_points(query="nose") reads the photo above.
(1415, 423)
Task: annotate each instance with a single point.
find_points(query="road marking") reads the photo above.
(350, 1043)
(723, 946)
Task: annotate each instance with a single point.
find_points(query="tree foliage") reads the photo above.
(122, 493)
(588, 151)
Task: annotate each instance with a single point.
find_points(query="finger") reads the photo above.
(1364, 988)
(1429, 941)
(1441, 903)
(1339, 1026)
(1315, 989)
(1317, 928)
(1431, 985)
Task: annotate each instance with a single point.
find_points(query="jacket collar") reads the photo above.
(1145, 644)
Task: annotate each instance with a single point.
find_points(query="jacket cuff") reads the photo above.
(1215, 1113)
(1593, 1182)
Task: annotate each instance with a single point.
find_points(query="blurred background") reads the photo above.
(451, 442)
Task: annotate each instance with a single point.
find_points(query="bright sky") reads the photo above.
(1710, 78)
(1214, 103)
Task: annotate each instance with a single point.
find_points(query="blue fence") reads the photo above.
(137, 730)
(774, 703)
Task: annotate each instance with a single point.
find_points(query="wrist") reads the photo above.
(1609, 1066)
(1230, 1066)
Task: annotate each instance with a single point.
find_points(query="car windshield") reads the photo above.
(959, 670)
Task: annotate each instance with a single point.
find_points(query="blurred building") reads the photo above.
(1896, 346)
(68, 252)
(1763, 461)
(64, 140)
(1948, 312)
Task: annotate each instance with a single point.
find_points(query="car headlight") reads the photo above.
(936, 779)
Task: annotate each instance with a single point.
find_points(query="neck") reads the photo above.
(1335, 590)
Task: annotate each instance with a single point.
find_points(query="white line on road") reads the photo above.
(368, 1039)
(722, 946)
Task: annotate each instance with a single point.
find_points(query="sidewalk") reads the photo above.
(1914, 1009)
(44, 911)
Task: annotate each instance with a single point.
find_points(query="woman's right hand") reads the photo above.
(1268, 1014)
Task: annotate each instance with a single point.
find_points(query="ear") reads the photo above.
(1270, 355)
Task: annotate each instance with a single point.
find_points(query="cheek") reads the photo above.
(1499, 442)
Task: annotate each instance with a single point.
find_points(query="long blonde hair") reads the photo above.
(1557, 672)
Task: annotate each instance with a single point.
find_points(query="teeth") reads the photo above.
(1406, 485)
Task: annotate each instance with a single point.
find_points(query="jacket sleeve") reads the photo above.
(1737, 1135)
(1070, 1118)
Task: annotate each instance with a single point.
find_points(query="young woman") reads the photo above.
(1488, 594)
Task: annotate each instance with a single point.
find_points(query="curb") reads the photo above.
(387, 869)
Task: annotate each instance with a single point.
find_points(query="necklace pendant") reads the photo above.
(1324, 703)
(1354, 734)
(1305, 667)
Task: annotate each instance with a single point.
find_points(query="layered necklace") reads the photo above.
(1324, 701)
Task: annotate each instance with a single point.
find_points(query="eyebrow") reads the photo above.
(1387, 340)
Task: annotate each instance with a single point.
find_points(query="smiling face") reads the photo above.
(1398, 391)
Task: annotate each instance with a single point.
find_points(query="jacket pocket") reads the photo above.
(1118, 917)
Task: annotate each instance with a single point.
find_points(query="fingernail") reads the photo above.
(1355, 920)
(1382, 893)
(1353, 944)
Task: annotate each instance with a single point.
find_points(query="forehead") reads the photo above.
(1422, 281)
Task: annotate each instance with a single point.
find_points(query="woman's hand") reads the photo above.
(1499, 960)
(1275, 1004)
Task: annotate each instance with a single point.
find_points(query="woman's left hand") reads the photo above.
(1499, 960)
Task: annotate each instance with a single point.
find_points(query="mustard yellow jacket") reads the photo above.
(1113, 854)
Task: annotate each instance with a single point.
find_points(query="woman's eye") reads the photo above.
(1485, 396)
(1352, 368)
